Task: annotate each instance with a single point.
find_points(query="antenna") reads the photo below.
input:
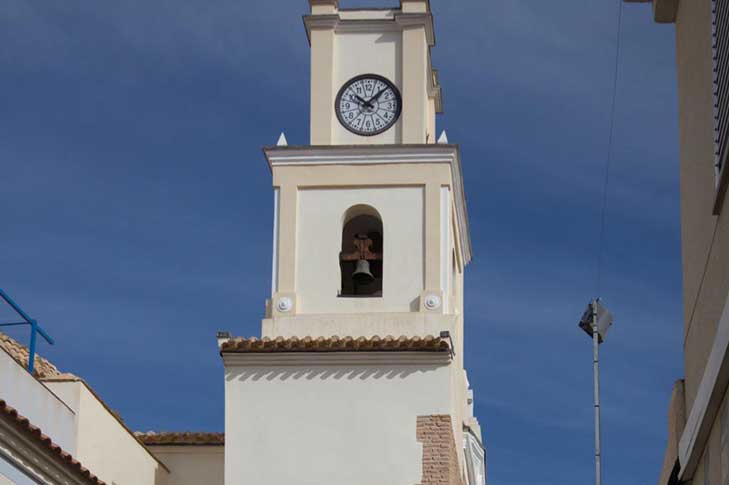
(35, 329)
(595, 321)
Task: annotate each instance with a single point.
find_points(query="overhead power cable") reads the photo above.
(606, 181)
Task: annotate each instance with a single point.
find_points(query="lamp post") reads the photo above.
(595, 321)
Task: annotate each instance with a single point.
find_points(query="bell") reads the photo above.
(362, 272)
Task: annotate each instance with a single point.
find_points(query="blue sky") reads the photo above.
(137, 206)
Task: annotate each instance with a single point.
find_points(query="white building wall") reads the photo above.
(319, 237)
(329, 424)
(103, 444)
(191, 465)
(37, 402)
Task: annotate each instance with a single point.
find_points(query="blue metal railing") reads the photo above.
(35, 329)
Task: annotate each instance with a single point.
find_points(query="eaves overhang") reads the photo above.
(320, 359)
(318, 155)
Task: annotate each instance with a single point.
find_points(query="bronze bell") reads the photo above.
(362, 272)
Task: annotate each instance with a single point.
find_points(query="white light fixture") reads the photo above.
(432, 302)
(284, 304)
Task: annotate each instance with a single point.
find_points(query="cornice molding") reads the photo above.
(381, 155)
(360, 154)
(323, 22)
(336, 358)
(401, 20)
(424, 20)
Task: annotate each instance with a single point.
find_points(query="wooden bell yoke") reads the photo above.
(363, 243)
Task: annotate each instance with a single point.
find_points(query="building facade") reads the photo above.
(698, 443)
(358, 376)
(56, 430)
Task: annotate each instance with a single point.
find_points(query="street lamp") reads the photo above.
(596, 321)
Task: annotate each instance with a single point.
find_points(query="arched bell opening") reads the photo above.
(360, 260)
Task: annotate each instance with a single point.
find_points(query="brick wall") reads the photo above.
(440, 459)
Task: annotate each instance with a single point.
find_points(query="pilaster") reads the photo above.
(324, 7)
(287, 239)
(415, 6)
(432, 237)
(322, 39)
(414, 78)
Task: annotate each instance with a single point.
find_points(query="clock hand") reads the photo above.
(377, 96)
(366, 103)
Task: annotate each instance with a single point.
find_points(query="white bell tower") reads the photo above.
(399, 187)
(363, 333)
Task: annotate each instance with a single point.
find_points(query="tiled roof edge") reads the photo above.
(66, 459)
(43, 368)
(151, 438)
(428, 343)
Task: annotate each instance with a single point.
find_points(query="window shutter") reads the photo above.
(720, 46)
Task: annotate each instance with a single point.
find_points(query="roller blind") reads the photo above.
(720, 46)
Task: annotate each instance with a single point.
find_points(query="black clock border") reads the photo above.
(389, 84)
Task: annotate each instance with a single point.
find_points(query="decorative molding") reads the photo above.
(367, 25)
(332, 3)
(337, 358)
(424, 20)
(323, 22)
(392, 24)
(708, 400)
(380, 155)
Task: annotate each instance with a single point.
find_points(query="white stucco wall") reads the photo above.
(319, 238)
(361, 325)
(36, 402)
(191, 465)
(329, 424)
(103, 445)
(367, 53)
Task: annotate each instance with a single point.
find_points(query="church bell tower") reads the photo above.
(370, 243)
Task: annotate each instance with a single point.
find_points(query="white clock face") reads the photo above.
(368, 105)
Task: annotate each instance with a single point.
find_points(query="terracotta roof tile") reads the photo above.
(336, 344)
(22, 423)
(19, 352)
(151, 438)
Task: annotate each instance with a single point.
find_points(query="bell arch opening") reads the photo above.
(361, 257)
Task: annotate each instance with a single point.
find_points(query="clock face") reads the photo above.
(368, 105)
